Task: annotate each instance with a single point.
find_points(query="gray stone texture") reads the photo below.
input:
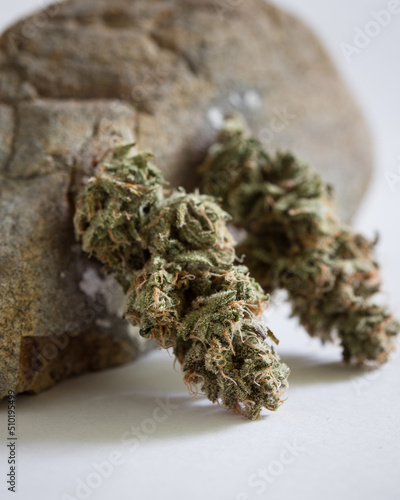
(163, 73)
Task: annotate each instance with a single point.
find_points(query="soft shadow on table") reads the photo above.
(310, 370)
(104, 406)
(111, 405)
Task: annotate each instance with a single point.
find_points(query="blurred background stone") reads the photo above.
(163, 73)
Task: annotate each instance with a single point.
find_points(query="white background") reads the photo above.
(337, 435)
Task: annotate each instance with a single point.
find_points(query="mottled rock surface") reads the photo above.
(161, 72)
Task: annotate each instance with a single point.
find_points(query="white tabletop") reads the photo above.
(336, 436)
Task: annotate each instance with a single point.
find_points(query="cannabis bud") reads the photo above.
(295, 242)
(174, 257)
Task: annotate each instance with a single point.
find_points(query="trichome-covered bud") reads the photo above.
(295, 241)
(174, 257)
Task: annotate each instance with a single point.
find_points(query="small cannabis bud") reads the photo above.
(295, 242)
(174, 257)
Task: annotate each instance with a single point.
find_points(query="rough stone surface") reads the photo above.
(6, 125)
(164, 73)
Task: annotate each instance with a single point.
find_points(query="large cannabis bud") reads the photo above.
(174, 257)
(296, 242)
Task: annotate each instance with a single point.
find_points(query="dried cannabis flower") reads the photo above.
(295, 242)
(174, 257)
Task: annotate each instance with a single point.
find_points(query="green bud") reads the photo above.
(296, 242)
(174, 257)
